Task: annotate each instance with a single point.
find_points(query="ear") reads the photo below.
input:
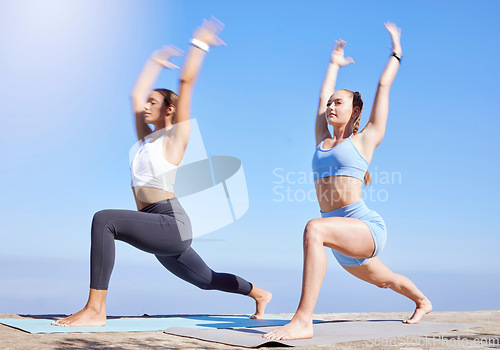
(170, 110)
(355, 112)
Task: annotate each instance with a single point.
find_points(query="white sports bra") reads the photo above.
(149, 168)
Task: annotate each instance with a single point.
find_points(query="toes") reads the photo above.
(270, 335)
(276, 336)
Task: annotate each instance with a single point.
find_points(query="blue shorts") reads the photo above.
(375, 223)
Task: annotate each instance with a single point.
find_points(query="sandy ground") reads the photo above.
(485, 337)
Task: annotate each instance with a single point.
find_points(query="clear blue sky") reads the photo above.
(67, 68)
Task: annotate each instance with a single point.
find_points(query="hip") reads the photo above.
(145, 196)
(357, 210)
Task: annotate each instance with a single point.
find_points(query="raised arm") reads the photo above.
(144, 84)
(375, 128)
(203, 37)
(328, 88)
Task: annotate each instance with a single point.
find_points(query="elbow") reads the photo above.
(384, 84)
(135, 99)
(186, 80)
(185, 85)
(136, 94)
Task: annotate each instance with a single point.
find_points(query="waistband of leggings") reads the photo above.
(160, 206)
(356, 208)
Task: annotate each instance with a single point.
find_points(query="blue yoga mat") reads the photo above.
(143, 324)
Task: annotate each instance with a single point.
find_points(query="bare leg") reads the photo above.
(356, 240)
(262, 297)
(375, 272)
(93, 314)
(314, 270)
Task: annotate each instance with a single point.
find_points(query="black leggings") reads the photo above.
(163, 229)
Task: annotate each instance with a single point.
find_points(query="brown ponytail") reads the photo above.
(169, 98)
(358, 102)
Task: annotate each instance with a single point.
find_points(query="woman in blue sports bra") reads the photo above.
(355, 233)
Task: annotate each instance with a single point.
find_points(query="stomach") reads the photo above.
(335, 192)
(145, 196)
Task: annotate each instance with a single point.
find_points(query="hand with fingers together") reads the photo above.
(395, 33)
(208, 32)
(338, 54)
(162, 56)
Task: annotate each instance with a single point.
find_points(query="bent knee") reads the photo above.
(203, 284)
(100, 216)
(385, 284)
(100, 220)
(313, 232)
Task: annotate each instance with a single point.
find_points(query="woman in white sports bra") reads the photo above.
(160, 226)
(355, 233)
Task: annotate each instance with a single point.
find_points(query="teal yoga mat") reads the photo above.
(143, 324)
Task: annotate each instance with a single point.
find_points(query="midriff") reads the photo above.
(334, 192)
(145, 196)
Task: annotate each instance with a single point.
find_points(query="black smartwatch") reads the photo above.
(398, 57)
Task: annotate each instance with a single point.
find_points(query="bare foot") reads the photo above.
(423, 308)
(291, 331)
(87, 317)
(262, 298)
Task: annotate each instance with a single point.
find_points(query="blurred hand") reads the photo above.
(163, 56)
(395, 33)
(208, 32)
(338, 54)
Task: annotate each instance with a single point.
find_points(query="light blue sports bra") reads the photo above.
(343, 159)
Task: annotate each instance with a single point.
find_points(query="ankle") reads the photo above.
(302, 319)
(97, 309)
(422, 301)
(257, 293)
